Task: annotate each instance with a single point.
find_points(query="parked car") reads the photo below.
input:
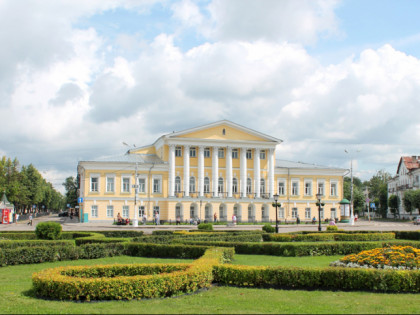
(417, 220)
(63, 214)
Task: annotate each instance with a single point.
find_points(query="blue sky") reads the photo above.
(80, 77)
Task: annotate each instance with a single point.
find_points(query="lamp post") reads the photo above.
(276, 198)
(319, 204)
(351, 188)
(201, 201)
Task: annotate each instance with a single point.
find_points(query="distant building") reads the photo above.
(407, 178)
(219, 169)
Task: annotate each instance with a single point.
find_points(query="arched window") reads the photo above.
(206, 185)
(262, 186)
(235, 186)
(192, 184)
(177, 184)
(249, 186)
(220, 185)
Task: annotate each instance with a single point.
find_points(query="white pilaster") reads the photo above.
(229, 170)
(243, 173)
(215, 166)
(257, 172)
(171, 170)
(271, 172)
(186, 170)
(201, 170)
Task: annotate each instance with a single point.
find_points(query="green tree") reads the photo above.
(71, 185)
(358, 197)
(394, 205)
(378, 191)
(408, 200)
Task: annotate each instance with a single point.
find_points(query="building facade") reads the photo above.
(217, 169)
(406, 178)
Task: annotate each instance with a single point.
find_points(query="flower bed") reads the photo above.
(394, 257)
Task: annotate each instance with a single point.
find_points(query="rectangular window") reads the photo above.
(193, 152)
(178, 151)
(156, 209)
(156, 185)
(262, 154)
(249, 154)
(221, 153)
(281, 189)
(94, 211)
(281, 213)
(110, 185)
(321, 188)
(295, 188)
(206, 185)
(333, 213)
(249, 186)
(126, 184)
(322, 213)
(142, 185)
(141, 212)
(126, 211)
(307, 213)
(94, 184)
(234, 153)
(110, 211)
(333, 189)
(308, 188)
(294, 213)
(206, 152)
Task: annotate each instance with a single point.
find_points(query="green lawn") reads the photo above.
(16, 296)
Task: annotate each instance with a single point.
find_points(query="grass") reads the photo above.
(16, 296)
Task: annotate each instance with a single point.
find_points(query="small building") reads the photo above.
(406, 178)
(7, 210)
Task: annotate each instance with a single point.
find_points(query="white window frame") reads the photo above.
(335, 192)
(249, 185)
(110, 183)
(320, 181)
(249, 154)
(235, 153)
(193, 152)
(234, 185)
(294, 187)
(294, 212)
(221, 153)
(109, 211)
(308, 213)
(262, 155)
(283, 193)
(92, 176)
(220, 185)
(125, 211)
(159, 178)
(207, 153)
(262, 186)
(178, 185)
(308, 187)
(142, 188)
(125, 177)
(94, 211)
(192, 184)
(178, 151)
(206, 185)
(281, 213)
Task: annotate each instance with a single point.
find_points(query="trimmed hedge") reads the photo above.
(165, 250)
(93, 251)
(408, 235)
(204, 237)
(304, 249)
(135, 281)
(33, 243)
(18, 235)
(318, 278)
(322, 237)
(96, 239)
(48, 230)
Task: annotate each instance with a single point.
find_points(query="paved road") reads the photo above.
(75, 225)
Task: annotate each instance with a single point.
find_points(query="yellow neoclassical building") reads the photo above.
(221, 168)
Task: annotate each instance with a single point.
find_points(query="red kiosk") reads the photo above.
(6, 210)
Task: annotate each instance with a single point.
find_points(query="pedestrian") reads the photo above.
(332, 222)
(234, 219)
(144, 219)
(178, 220)
(313, 220)
(17, 217)
(297, 220)
(157, 218)
(355, 217)
(215, 217)
(30, 219)
(71, 215)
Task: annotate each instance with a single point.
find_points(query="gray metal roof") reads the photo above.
(132, 158)
(301, 165)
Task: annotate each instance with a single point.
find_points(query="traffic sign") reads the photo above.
(372, 205)
(80, 200)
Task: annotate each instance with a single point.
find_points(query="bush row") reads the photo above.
(33, 243)
(204, 237)
(318, 278)
(317, 237)
(304, 249)
(127, 281)
(165, 250)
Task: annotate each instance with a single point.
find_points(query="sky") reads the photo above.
(337, 81)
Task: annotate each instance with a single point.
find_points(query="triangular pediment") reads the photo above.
(224, 130)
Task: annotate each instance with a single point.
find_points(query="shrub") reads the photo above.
(268, 228)
(48, 230)
(332, 228)
(205, 226)
(162, 232)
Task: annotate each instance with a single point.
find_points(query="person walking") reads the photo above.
(215, 217)
(30, 219)
(144, 219)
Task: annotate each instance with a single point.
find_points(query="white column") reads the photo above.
(271, 172)
(186, 170)
(257, 172)
(215, 166)
(243, 172)
(229, 171)
(171, 170)
(201, 170)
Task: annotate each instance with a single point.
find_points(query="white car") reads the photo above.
(417, 220)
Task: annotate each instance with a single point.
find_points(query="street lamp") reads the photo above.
(319, 204)
(276, 198)
(351, 188)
